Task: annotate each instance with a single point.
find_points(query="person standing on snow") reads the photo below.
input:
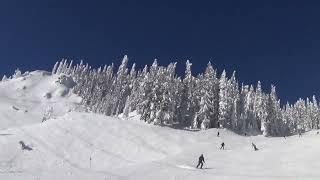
(218, 135)
(222, 145)
(254, 147)
(201, 161)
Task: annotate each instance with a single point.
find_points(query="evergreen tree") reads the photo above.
(207, 114)
(259, 109)
(17, 73)
(233, 99)
(54, 70)
(185, 109)
(273, 125)
(223, 100)
(204, 101)
(4, 78)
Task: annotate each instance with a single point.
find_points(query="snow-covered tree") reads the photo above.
(207, 115)
(233, 99)
(223, 99)
(17, 73)
(186, 111)
(259, 107)
(273, 125)
(203, 101)
(55, 67)
(4, 78)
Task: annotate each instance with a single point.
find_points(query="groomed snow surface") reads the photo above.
(83, 146)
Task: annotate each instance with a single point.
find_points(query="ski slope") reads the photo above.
(81, 146)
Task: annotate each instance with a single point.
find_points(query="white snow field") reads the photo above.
(26, 99)
(82, 146)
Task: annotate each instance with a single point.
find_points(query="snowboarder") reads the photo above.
(218, 135)
(254, 147)
(201, 161)
(222, 145)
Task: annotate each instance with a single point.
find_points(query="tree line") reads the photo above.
(207, 100)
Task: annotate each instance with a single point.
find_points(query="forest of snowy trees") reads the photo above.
(207, 100)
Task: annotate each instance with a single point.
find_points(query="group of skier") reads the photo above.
(222, 147)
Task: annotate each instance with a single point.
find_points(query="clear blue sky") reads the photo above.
(273, 41)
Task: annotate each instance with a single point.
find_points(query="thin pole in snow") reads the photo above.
(90, 161)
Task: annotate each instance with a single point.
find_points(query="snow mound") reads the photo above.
(26, 98)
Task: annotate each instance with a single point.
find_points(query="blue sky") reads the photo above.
(273, 41)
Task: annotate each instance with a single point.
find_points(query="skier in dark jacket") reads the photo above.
(24, 146)
(201, 161)
(222, 145)
(218, 135)
(254, 147)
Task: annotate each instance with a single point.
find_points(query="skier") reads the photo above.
(222, 145)
(317, 132)
(201, 161)
(255, 147)
(24, 146)
(300, 135)
(218, 135)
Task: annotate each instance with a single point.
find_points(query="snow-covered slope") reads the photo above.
(25, 100)
(130, 149)
(82, 146)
